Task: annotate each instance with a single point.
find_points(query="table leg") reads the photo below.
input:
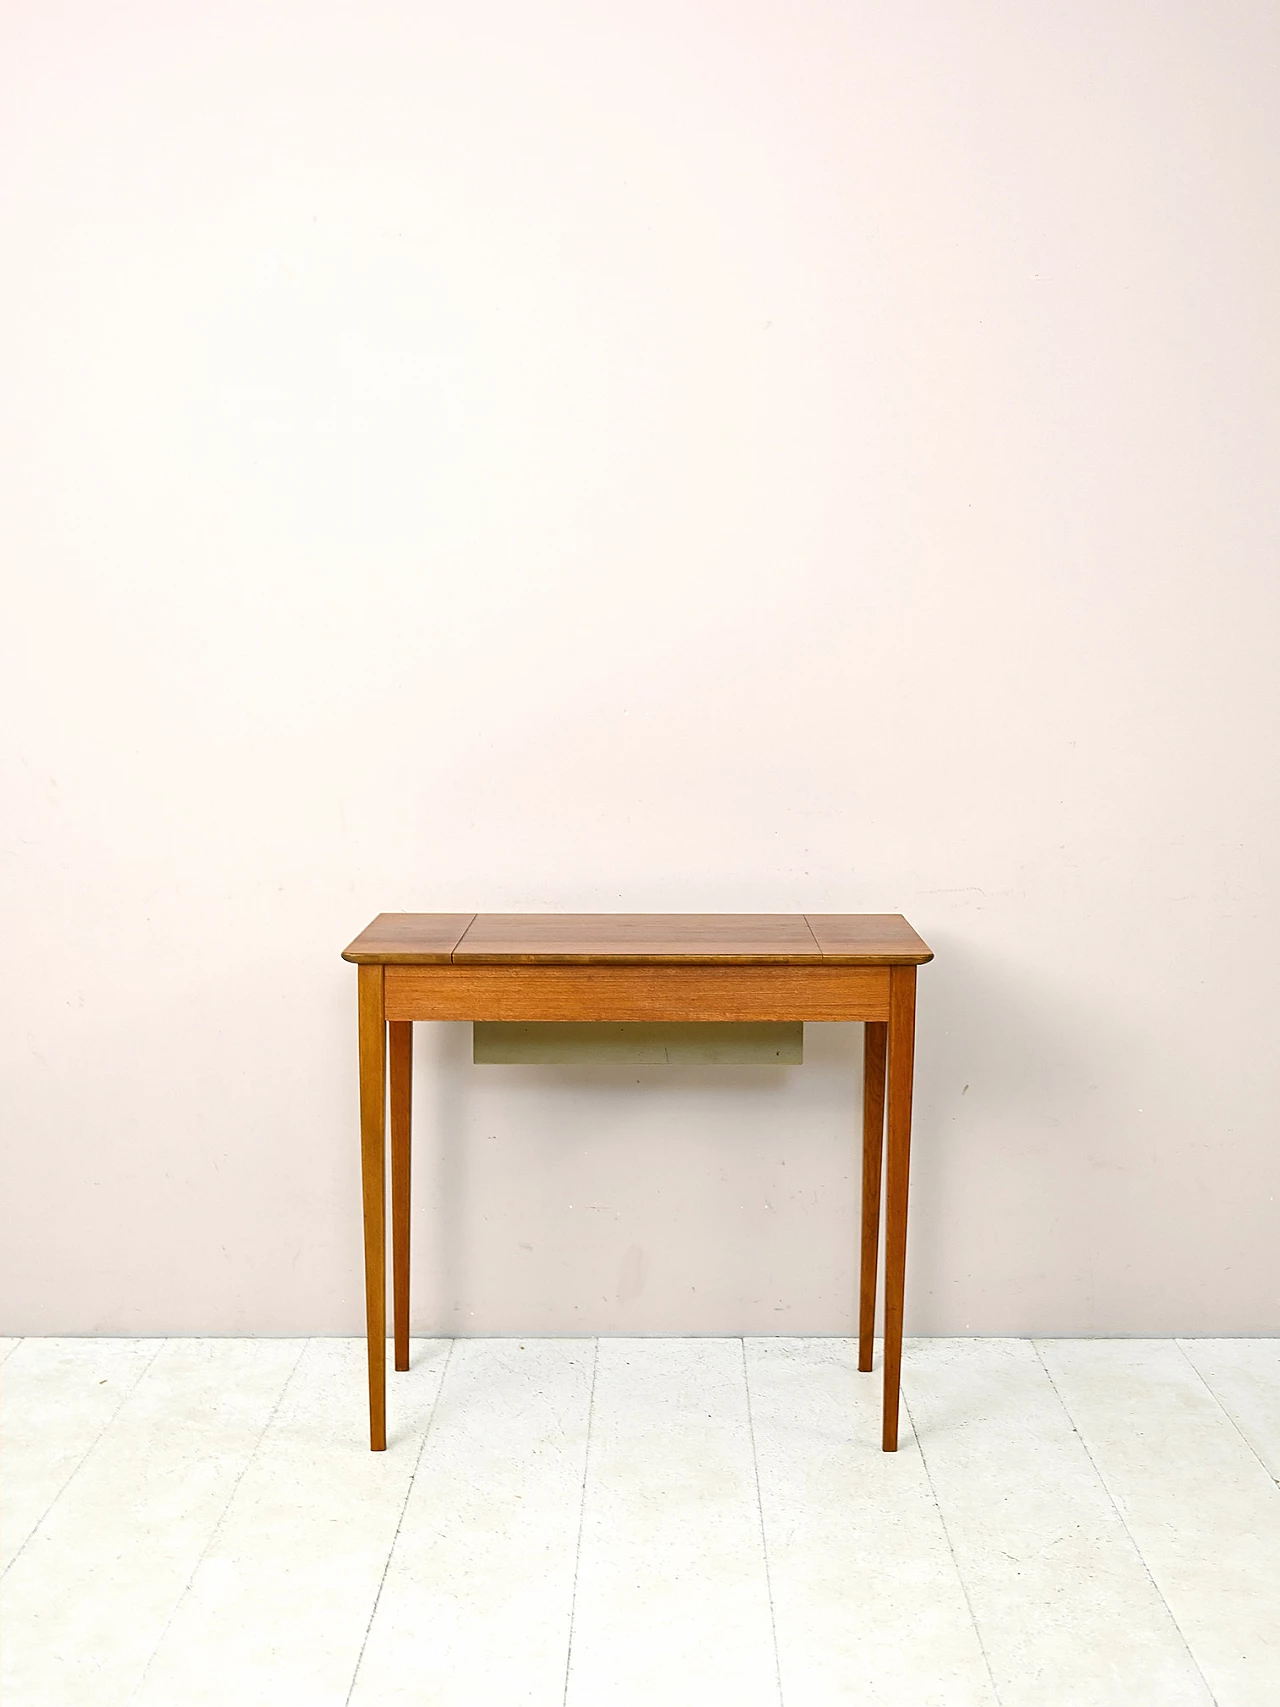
(901, 1053)
(400, 1062)
(373, 1115)
(873, 1057)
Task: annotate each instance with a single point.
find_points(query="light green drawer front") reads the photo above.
(683, 1044)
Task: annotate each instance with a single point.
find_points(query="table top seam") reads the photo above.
(812, 936)
(453, 952)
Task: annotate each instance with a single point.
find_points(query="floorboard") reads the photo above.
(479, 1588)
(89, 1597)
(56, 1398)
(1244, 1377)
(1065, 1606)
(867, 1599)
(1202, 1510)
(283, 1593)
(672, 1601)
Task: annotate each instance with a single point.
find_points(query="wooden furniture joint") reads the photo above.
(636, 967)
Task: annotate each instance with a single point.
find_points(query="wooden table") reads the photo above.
(636, 967)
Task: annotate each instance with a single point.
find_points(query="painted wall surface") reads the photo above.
(651, 456)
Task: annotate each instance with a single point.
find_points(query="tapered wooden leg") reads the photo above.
(873, 1055)
(901, 1052)
(373, 1140)
(400, 1056)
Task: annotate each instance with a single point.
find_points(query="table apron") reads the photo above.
(636, 992)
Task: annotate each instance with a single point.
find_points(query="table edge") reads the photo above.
(427, 958)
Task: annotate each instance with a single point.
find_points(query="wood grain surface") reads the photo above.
(899, 1074)
(874, 1046)
(400, 1099)
(868, 939)
(373, 1171)
(814, 992)
(418, 939)
(685, 939)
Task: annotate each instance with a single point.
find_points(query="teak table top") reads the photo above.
(690, 939)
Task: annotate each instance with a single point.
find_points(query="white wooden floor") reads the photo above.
(657, 1521)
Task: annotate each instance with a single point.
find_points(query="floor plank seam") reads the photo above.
(946, 1535)
(1133, 1540)
(404, 1506)
(764, 1544)
(1252, 1449)
(83, 1460)
(222, 1517)
(582, 1512)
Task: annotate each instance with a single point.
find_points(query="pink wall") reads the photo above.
(664, 456)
